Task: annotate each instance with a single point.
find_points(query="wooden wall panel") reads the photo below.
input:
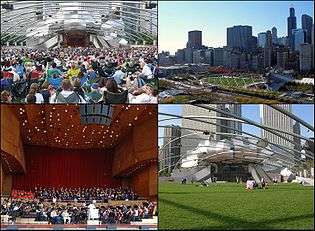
(6, 181)
(139, 144)
(11, 142)
(139, 147)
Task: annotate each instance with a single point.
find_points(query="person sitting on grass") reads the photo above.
(94, 96)
(263, 183)
(67, 95)
(250, 183)
(34, 90)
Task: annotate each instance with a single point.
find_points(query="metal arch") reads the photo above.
(247, 120)
(292, 116)
(267, 128)
(129, 35)
(126, 23)
(235, 136)
(266, 157)
(220, 153)
(113, 3)
(139, 16)
(49, 23)
(240, 121)
(243, 132)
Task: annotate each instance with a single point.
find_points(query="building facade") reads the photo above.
(191, 141)
(240, 37)
(273, 118)
(171, 150)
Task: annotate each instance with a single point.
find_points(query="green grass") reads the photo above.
(232, 82)
(230, 206)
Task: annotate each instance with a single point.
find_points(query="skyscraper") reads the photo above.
(306, 57)
(239, 37)
(291, 27)
(268, 49)
(299, 38)
(274, 35)
(273, 118)
(262, 39)
(194, 39)
(307, 23)
(171, 147)
(191, 141)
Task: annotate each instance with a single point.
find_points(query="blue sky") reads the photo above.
(250, 111)
(176, 18)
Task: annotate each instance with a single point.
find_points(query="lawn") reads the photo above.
(233, 82)
(230, 206)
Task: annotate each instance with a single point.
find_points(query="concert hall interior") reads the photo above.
(48, 146)
(63, 147)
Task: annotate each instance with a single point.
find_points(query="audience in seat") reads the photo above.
(74, 213)
(79, 75)
(84, 194)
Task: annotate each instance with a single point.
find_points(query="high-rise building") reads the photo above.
(291, 27)
(262, 39)
(268, 50)
(239, 37)
(306, 57)
(188, 55)
(191, 141)
(282, 59)
(218, 56)
(194, 39)
(208, 56)
(283, 40)
(180, 56)
(171, 147)
(274, 35)
(275, 119)
(307, 23)
(297, 141)
(299, 38)
(198, 56)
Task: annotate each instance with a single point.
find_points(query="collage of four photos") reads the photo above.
(157, 115)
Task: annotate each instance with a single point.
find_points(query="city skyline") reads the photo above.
(248, 111)
(173, 28)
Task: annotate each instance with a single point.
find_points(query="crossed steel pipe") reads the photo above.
(235, 136)
(251, 123)
(99, 8)
(243, 132)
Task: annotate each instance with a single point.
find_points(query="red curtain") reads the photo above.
(65, 167)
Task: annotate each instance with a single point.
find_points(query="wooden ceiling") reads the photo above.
(59, 125)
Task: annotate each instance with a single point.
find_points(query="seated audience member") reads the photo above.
(119, 75)
(37, 73)
(20, 69)
(77, 88)
(94, 96)
(45, 91)
(34, 91)
(53, 72)
(90, 65)
(67, 95)
(147, 72)
(6, 97)
(31, 97)
(73, 71)
(145, 94)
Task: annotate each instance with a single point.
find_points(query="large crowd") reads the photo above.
(73, 205)
(79, 75)
(70, 213)
(79, 194)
